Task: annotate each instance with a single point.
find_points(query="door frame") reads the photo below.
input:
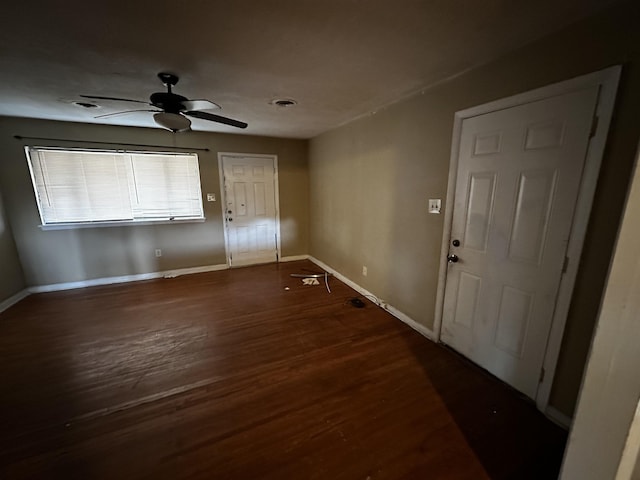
(223, 197)
(607, 80)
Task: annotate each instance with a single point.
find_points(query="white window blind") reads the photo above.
(164, 186)
(75, 186)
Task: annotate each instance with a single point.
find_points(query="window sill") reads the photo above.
(124, 223)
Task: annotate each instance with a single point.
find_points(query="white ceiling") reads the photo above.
(339, 59)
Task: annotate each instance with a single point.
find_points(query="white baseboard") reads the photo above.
(381, 303)
(190, 270)
(427, 332)
(557, 417)
(12, 300)
(294, 258)
(125, 278)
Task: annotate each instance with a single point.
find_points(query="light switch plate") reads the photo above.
(435, 205)
(211, 197)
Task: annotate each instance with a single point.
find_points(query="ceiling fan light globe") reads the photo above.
(172, 121)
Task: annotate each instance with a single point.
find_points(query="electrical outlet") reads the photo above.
(211, 197)
(364, 271)
(158, 252)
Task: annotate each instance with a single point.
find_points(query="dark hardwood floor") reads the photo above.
(227, 375)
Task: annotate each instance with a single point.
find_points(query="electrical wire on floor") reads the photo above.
(373, 298)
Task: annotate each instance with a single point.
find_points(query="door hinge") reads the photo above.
(565, 265)
(541, 379)
(594, 126)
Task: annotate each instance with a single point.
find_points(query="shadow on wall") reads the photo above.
(11, 273)
(3, 227)
(292, 229)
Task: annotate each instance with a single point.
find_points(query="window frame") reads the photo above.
(111, 223)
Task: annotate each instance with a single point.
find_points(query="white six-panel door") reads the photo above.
(250, 209)
(518, 179)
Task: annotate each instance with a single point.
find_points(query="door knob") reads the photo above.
(452, 258)
(455, 243)
(231, 220)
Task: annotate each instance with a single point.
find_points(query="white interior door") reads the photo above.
(518, 179)
(250, 209)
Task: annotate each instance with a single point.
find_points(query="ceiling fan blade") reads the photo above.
(217, 118)
(94, 97)
(123, 112)
(196, 105)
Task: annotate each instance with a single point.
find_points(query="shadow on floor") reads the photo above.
(486, 411)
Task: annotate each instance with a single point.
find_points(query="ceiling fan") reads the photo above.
(171, 110)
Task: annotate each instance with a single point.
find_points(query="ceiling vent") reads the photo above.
(283, 102)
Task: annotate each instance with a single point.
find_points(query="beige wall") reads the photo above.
(11, 276)
(371, 179)
(50, 257)
(611, 390)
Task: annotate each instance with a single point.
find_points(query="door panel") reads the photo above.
(259, 193)
(467, 299)
(518, 179)
(513, 319)
(531, 216)
(250, 215)
(481, 196)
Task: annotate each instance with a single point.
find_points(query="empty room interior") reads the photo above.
(320, 240)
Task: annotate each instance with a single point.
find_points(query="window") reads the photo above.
(89, 186)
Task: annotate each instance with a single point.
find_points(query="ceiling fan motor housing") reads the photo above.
(167, 101)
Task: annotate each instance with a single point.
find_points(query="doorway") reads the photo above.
(250, 208)
(522, 178)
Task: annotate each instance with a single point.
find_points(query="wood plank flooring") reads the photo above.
(228, 375)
